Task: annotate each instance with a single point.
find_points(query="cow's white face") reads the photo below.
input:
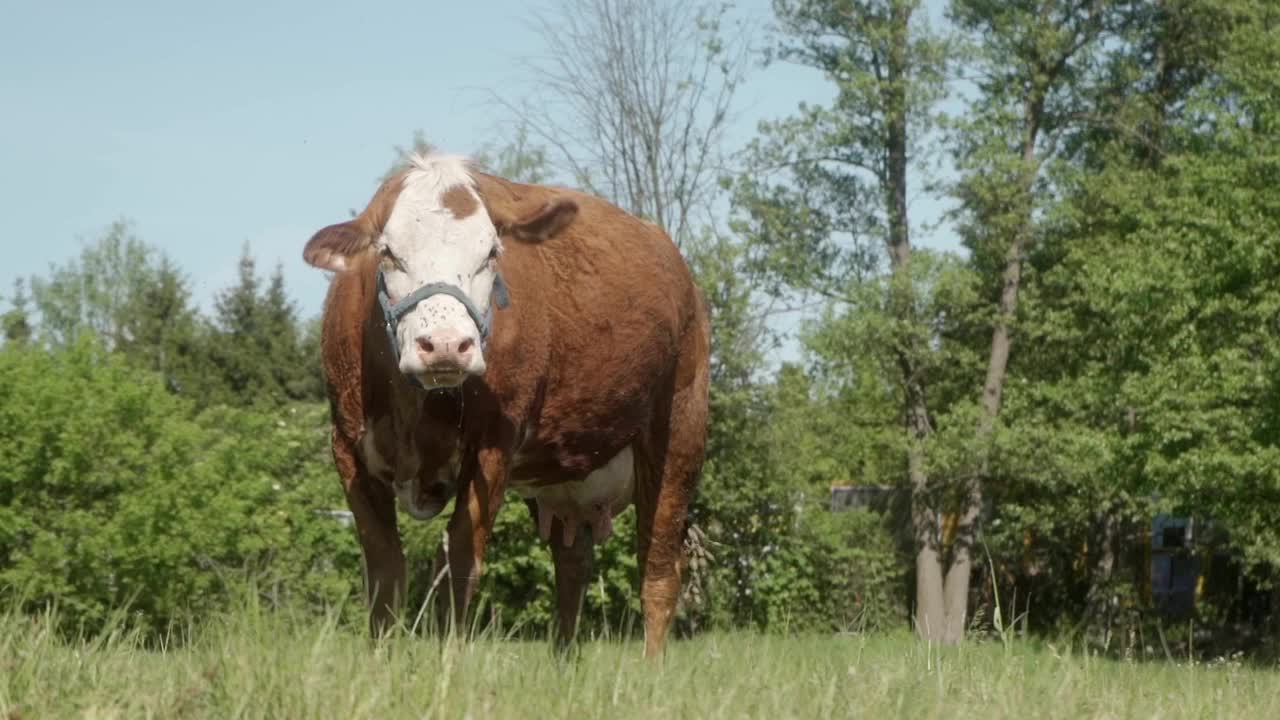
(431, 224)
(439, 232)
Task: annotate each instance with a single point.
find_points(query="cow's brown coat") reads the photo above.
(604, 346)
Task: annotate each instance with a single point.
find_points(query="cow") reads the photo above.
(482, 335)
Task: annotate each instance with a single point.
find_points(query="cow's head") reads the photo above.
(438, 244)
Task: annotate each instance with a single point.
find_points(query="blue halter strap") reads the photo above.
(392, 312)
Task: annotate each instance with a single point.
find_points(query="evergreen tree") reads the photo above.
(236, 309)
(238, 349)
(256, 343)
(295, 372)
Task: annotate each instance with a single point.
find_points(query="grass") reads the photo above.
(261, 665)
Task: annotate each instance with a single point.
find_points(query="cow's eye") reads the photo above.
(388, 258)
(493, 252)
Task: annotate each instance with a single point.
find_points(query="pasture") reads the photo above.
(254, 664)
(911, 307)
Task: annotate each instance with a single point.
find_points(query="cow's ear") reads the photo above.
(547, 221)
(335, 247)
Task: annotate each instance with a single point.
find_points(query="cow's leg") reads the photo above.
(573, 575)
(661, 513)
(373, 506)
(666, 478)
(479, 500)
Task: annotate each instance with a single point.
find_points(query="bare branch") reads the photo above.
(633, 98)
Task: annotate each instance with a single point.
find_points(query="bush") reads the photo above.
(517, 589)
(116, 493)
(112, 494)
(802, 568)
(836, 571)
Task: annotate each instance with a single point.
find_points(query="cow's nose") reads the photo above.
(446, 351)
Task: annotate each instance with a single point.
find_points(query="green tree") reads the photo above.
(840, 205)
(1149, 366)
(1031, 59)
(738, 499)
(94, 292)
(114, 495)
(256, 342)
(120, 289)
(521, 159)
(295, 368)
(240, 337)
(132, 297)
(16, 321)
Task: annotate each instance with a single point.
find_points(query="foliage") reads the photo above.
(138, 303)
(817, 204)
(828, 205)
(16, 322)
(1148, 384)
(773, 451)
(255, 343)
(517, 590)
(113, 495)
(134, 299)
(832, 571)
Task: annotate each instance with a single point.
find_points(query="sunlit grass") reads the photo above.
(260, 664)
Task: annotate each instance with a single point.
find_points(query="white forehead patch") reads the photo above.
(428, 203)
(445, 170)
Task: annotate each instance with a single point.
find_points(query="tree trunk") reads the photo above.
(958, 574)
(1099, 612)
(930, 616)
(961, 567)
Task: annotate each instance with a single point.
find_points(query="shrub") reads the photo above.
(803, 568)
(112, 494)
(115, 493)
(517, 590)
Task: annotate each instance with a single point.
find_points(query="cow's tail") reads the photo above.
(697, 559)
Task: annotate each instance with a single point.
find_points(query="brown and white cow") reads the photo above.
(483, 335)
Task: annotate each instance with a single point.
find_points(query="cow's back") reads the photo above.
(594, 329)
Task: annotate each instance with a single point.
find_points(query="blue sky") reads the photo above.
(213, 124)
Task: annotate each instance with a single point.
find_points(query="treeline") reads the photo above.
(253, 349)
(1103, 356)
(1107, 350)
(158, 462)
(165, 463)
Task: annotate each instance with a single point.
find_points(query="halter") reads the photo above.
(392, 312)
